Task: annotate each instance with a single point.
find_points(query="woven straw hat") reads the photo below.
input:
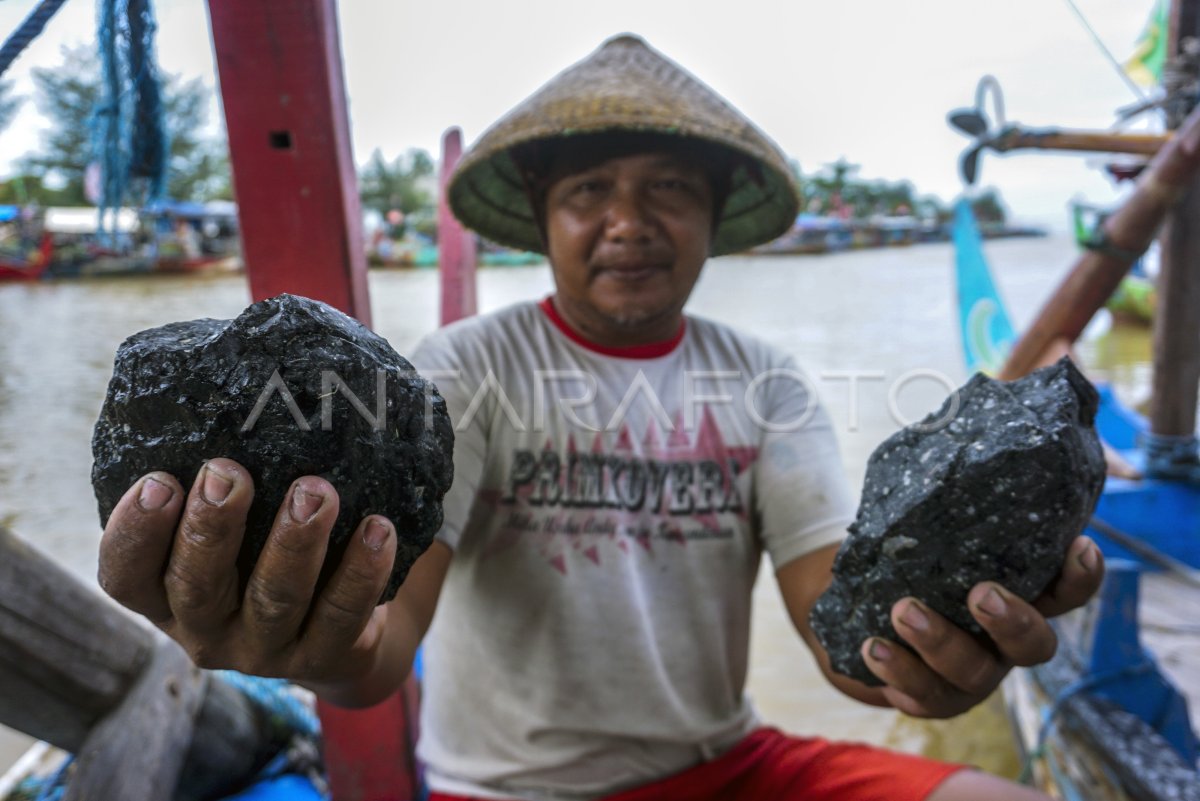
(625, 85)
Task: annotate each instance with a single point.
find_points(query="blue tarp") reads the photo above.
(188, 209)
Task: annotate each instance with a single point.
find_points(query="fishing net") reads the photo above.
(129, 134)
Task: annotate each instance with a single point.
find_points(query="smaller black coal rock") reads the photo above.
(292, 387)
(993, 486)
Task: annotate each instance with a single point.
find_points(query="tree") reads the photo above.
(989, 208)
(68, 95)
(26, 188)
(9, 104)
(402, 184)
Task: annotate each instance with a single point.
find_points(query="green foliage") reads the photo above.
(67, 95)
(836, 190)
(403, 184)
(10, 104)
(25, 188)
(989, 208)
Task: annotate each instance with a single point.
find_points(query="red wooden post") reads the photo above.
(281, 78)
(456, 245)
(280, 70)
(370, 754)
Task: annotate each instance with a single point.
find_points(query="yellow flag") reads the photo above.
(1150, 54)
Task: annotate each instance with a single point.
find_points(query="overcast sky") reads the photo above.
(869, 80)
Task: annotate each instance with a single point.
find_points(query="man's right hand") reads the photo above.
(171, 556)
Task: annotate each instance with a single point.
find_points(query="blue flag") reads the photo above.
(987, 334)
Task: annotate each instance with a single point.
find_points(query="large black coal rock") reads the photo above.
(993, 486)
(292, 387)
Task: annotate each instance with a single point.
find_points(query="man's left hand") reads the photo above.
(952, 670)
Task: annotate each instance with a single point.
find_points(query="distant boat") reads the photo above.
(75, 242)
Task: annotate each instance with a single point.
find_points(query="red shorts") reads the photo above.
(771, 765)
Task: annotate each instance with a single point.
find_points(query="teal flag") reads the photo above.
(987, 334)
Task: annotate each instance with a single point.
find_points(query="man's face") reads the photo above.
(626, 240)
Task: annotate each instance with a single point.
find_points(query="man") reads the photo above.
(619, 470)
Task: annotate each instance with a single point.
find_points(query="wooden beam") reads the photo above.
(284, 96)
(1128, 231)
(66, 656)
(1017, 138)
(69, 661)
(136, 752)
(1177, 316)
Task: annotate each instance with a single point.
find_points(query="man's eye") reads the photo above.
(585, 187)
(672, 184)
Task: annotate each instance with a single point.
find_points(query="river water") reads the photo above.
(882, 323)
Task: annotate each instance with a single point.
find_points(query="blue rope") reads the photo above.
(287, 715)
(26, 32)
(283, 708)
(108, 118)
(1080, 685)
(148, 158)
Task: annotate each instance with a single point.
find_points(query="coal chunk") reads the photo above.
(993, 486)
(292, 387)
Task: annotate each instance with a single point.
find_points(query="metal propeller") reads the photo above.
(975, 123)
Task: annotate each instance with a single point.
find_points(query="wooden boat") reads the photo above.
(1106, 719)
(31, 267)
(144, 724)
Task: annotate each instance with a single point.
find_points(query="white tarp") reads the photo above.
(64, 220)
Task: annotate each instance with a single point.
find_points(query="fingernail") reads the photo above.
(880, 651)
(376, 535)
(1090, 557)
(993, 604)
(305, 505)
(914, 617)
(216, 487)
(154, 495)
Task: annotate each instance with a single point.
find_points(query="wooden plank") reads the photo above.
(284, 96)
(66, 655)
(136, 752)
(69, 657)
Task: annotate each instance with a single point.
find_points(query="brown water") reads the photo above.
(876, 314)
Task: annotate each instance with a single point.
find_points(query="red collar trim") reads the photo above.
(652, 350)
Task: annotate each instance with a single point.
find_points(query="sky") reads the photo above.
(870, 81)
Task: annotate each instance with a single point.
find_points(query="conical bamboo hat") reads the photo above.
(625, 85)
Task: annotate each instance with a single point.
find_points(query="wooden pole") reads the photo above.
(456, 245)
(1177, 317)
(284, 96)
(1015, 138)
(81, 674)
(1128, 232)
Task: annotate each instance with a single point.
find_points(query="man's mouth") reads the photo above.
(631, 271)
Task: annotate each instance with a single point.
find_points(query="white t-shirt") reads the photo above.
(608, 516)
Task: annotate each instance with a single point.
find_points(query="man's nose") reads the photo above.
(628, 219)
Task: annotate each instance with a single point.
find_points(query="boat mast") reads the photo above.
(284, 96)
(1172, 446)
